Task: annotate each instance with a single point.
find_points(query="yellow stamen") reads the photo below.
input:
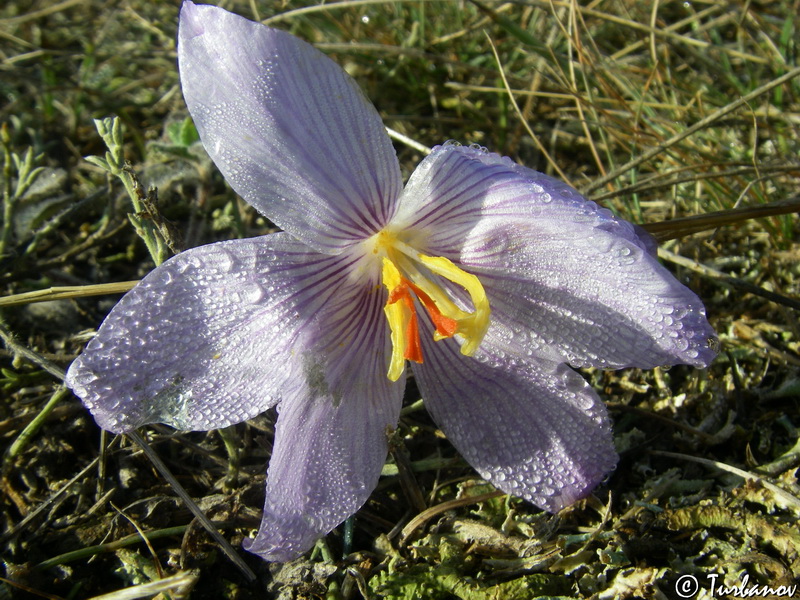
(471, 326)
(399, 317)
(448, 319)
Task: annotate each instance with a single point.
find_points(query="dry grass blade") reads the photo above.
(28, 354)
(21, 525)
(192, 506)
(701, 124)
(522, 118)
(326, 7)
(657, 32)
(176, 586)
(683, 226)
(411, 143)
(426, 515)
(67, 292)
(735, 282)
(786, 498)
(43, 12)
(694, 174)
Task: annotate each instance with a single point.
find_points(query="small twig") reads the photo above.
(38, 510)
(36, 358)
(788, 498)
(428, 514)
(191, 505)
(706, 437)
(140, 531)
(411, 143)
(30, 430)
(724, 279)
(30, 590)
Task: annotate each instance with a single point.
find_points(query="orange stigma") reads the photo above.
(445, 326)
(401, 310)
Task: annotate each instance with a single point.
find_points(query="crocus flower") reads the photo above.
(491, 280)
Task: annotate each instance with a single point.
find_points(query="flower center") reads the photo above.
(404, 281)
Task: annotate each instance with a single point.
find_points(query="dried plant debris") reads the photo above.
(680, 116)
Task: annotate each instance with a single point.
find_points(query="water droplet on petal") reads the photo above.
(479, 148)
(251, 293)
(225, 261)
(161, 277)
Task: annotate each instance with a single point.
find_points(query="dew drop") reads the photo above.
(225, 261)
(479, 148)
(251, 293)
(84, 378)
(161, 277)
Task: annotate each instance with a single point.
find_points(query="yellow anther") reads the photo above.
(404, 282)
(471, 326)
(399, 317)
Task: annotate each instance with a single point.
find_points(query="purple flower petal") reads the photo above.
(289, 129)
(533, 428)
(594, 299)
(220, 333)
(566, 280)
(329, 448)
(456, 188)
